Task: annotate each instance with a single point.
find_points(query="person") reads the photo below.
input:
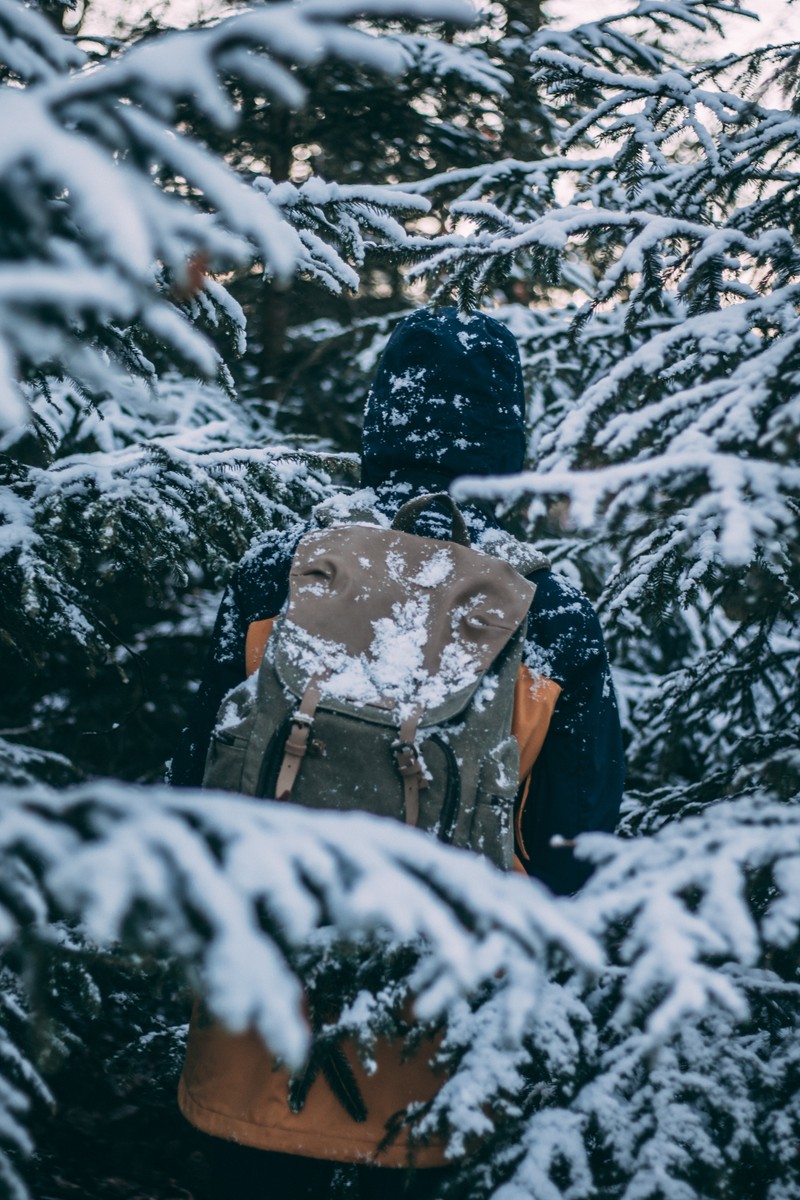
(447, 400)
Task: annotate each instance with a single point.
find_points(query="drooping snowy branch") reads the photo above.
(664, 1072)
(109, 204)
(333, 223)
(442, 60)
(538, 1034)
(686, 900)
(197, 865)
(195, 495)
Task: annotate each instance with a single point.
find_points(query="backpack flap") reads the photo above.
(389, 622)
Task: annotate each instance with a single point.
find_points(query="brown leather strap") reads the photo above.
(296, 745)
(408, 764)
(406, 517)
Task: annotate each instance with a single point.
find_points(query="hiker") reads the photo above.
(447, 400)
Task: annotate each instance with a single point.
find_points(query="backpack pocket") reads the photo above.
(492, 820)
(224, 761)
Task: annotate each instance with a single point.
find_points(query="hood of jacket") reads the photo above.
(447, 400)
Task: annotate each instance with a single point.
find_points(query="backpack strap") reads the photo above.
(406, 755)
(407, 761)
(296, 745)
(406, 516)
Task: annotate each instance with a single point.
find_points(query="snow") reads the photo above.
(35, 51)
(442, 60)
(392, 667)
(435, 571)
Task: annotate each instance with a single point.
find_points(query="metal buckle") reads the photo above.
(406, 758)
(398, 747)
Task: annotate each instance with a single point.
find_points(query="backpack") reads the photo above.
(387, 685)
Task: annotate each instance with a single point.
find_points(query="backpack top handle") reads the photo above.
(406, 517)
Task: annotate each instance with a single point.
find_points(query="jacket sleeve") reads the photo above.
(223, 670)
(258, 590)
(575, 781)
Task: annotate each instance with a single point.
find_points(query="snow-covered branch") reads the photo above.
(235, 889)
(248, 894)
(202, 490)
(683, 899)
(114, 205)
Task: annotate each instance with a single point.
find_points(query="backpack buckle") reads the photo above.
(406, 757)
(407, 761)
(297, 742)
(409, 768)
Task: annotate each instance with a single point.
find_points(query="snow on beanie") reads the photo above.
(447, 397)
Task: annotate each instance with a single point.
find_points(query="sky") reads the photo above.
(778, 19)
(103, 14)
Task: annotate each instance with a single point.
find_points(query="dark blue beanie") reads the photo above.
(447, 397)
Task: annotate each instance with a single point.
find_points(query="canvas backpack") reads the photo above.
(387, 685)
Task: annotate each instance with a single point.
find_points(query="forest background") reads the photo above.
(621, 192)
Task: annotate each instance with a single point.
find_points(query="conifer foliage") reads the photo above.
(682, 430)
(112, 216)
(633, 216)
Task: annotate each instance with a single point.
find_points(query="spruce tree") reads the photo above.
(121, 482)
(666, 397)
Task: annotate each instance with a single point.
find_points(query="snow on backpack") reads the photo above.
(387, 685)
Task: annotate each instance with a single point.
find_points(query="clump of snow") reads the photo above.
(393, 667)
